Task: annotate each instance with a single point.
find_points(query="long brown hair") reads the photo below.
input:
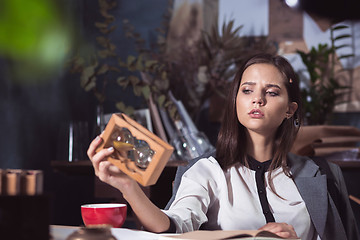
(231, 144)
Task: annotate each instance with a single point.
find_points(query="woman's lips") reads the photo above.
(256, 113)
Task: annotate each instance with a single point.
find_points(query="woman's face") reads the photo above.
(262, 101)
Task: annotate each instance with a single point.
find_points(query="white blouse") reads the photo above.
(215, 199)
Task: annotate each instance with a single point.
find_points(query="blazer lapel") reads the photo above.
(312, 187)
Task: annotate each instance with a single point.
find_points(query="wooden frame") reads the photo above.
(162, 150)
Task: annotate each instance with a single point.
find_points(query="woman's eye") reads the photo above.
(273, 94)
(246, 91)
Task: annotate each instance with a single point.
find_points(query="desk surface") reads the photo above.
(59, 232)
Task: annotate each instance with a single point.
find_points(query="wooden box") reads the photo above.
(160, 149)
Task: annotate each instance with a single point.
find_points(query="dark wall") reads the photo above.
(33, 116)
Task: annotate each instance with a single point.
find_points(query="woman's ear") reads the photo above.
(293, 106)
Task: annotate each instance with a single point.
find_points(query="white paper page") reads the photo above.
(129, 234)
(62, 232)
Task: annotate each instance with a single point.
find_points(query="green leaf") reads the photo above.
(342, 46)
(107, 30)
(139, 65)
(150, 63)
(131, 63)
(105, 14)
(167, 104)
(130, 59)
(164, 75)
(121, 106)
(137, 90)
(342, 36)
(100, 25)
(103, 69)
(91, 84)
(161, 99)
(102, 41)
(128, 110)
(339, 27)
(172, 112)
(134, 80)
(346, 56)
(86, 75)
(104, 53)
(146, 92)
(122, 81)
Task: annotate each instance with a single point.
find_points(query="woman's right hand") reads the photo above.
(149, 214)
(105, 170)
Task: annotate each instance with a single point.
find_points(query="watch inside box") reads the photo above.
(129, 148)
(138, 152)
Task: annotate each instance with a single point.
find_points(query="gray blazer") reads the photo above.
(312, 186)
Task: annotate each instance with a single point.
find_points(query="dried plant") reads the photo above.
(96, 69)
(193, 73)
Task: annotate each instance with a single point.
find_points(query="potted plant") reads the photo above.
(324, 88)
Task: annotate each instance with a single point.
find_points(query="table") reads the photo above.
(59, 232)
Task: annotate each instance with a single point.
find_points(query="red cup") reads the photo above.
(113, 214)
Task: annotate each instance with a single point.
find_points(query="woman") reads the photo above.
(254, 183)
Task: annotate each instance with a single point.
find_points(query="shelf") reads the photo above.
(348, 165)
(84, 167)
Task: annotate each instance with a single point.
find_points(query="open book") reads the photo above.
(222, 234)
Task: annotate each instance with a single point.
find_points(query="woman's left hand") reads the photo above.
(281, 229)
